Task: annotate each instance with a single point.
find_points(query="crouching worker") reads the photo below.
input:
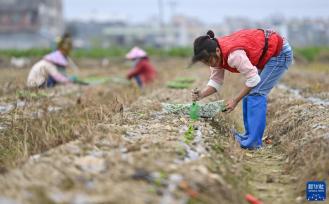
(51, 70)
(142, 70)
(261, 56)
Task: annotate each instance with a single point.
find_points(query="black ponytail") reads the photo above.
(205, 46)
(211, 34)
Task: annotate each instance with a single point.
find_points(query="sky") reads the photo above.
(208, 11)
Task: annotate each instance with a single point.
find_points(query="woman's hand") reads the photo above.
(196, 94)
(230, 105)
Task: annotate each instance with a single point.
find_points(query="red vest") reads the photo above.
(252, 41)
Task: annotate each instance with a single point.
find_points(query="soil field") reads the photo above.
(114, 143)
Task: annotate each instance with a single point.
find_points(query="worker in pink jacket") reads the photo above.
(142, 70)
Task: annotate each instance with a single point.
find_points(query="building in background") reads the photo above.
(179, 32)
(36, 23)
(30, 23)
(301, 32)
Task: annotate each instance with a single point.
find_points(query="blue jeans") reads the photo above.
(51, 82)
(139, 81)
(273, 71)
(255, 103)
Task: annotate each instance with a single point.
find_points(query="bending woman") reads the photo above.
(261, 56)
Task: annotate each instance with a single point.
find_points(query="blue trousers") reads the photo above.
(254, 105)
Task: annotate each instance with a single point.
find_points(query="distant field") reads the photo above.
(312, 54)
(100, 52)
(309, 54)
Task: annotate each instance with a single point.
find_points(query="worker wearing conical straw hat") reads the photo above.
(51, 69)
(142, 70)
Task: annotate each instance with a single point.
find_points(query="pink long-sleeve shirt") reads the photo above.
(241, 62)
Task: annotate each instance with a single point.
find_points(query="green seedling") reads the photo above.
(141, 114)
(152, 190)
(180, 83)
(189, 134)
(29, 94)
(160, 180)
(94, 80)
(97, 80)
(185, 80)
